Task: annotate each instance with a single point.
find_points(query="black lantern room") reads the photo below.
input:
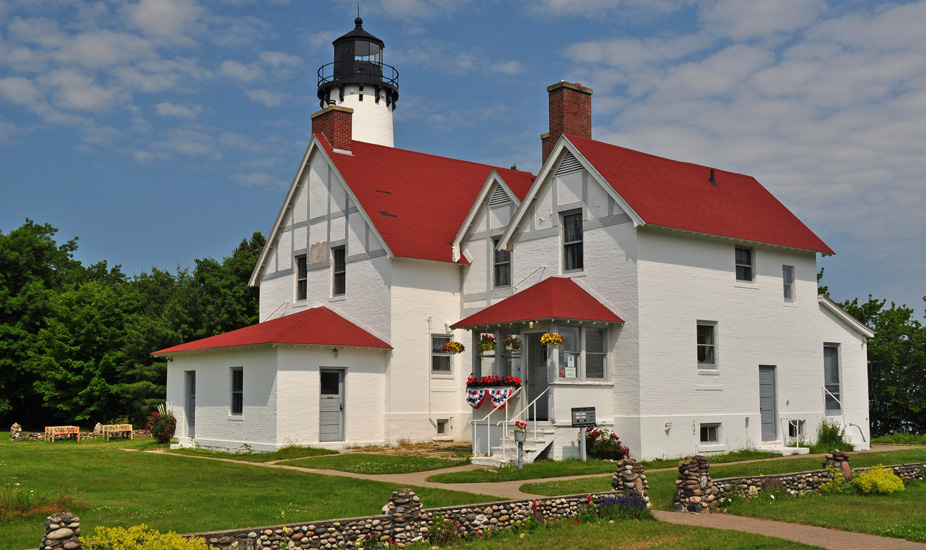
(358, 61)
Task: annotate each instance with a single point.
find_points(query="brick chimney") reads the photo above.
(570, 113)
(334, 122)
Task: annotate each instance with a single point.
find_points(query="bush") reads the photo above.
(443, 532)
(140, 537)
(829, 437)
(623, 507)
(879, 480)
(603, 443)
(162, 424)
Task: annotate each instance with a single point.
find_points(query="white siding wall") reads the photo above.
(371, 121)
(215, 425)
(853, 367)
(425, 300)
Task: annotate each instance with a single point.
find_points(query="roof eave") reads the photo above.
(844, 316)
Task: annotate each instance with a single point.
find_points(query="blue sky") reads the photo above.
(160, 131)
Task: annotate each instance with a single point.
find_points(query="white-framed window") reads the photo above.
(573, 241)
(501, 265)
(787, 280)
(301, 278)
(237, 391)
(710, 434)
(440, 359)
(831, 380)
(583, 355)
(745, 264)
(443, 425)
(338, 271)
(707, 344)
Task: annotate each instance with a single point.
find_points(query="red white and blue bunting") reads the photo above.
(499, 396)
(475, 397)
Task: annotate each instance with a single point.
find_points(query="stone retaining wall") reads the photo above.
(403, 521)
(16, 434)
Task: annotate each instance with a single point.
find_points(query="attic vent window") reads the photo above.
(387, 214)
(569, 164)
(499, 197)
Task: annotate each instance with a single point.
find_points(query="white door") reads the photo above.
(331, 416)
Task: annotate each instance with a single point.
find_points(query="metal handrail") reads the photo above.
(389, 75)
(485, 418)
(526, 409)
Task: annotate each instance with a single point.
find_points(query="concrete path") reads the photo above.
(511, 490)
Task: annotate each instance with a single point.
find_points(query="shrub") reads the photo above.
(879, 480)
(603, 443)
(162, 424)
(140, 537)
(443, 532)
(831, 436)
(838, 483)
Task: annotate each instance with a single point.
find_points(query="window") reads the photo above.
(710, 433)
(594, 353)
(831, 380)
(442, 426)
(707, 345)
(572, 241)
(583, 353)
(301, 278)
(502, 265)
(744, 264)
(237, 390)
(339, 271)
(787, 279)
(440, 359)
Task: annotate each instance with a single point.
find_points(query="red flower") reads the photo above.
(575, 522)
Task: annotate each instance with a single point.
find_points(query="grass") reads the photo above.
(900, 439)
(286, 453)
(535, 470)
(114, 487)
(733, 456)
(601, 535)
(900, 515)
(373, 464)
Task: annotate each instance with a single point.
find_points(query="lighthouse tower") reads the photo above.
(358, 79)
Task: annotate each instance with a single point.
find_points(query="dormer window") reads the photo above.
(301, 278)
(745, 266)
(501, 264)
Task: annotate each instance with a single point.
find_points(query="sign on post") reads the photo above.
(583, 417)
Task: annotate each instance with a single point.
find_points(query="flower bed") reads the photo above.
(493, 381)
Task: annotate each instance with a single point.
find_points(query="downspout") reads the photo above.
(428, 371)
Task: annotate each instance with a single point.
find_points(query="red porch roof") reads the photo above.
(552, 298)
(316, 326)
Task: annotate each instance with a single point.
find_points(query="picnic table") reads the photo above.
(51, 432)
(110, 429)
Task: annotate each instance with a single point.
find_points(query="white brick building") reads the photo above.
(686, 296)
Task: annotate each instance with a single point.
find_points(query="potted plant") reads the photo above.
(552, 339)
(520, 431)
(486, 343)
(453, 347)
(512, 343)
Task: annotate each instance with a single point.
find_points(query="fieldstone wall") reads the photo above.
(629, 480)
(62, 532)
(20, 435)
(695, 492)
(16, 432)
(403, 521)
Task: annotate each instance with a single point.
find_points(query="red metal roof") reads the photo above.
(316, 326)
(552, 298)
(417, 201)
(680, 195)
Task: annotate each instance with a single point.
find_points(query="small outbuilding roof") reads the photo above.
(552, 298)
(317, 326)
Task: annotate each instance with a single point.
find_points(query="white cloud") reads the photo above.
(74, 90)
(22, 91)
(280, 59)
(239, 71)
(265, 97)
(507, 67)
(595, 8)
(166, 108)
(745, 20)
(633, 53)
(409, 10)
(166, 19)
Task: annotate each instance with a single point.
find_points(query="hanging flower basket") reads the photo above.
(552, 339)
(486, 343)
(512, 343)
(453, 347)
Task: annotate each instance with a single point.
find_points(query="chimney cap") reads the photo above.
(331, 108)
(563, 84)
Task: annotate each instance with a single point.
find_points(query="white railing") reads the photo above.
(488, 423)
(526, 409)
(842, 411)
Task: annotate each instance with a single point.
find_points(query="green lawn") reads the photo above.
(535, 470)
(629, 534)
(116, 487)
(733, 456)
(360, 463)
(286, 453)
(901, 439)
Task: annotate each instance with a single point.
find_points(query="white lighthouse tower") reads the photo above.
(358, 79)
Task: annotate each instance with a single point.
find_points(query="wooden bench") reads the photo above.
(51, 432)
(110, 429)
